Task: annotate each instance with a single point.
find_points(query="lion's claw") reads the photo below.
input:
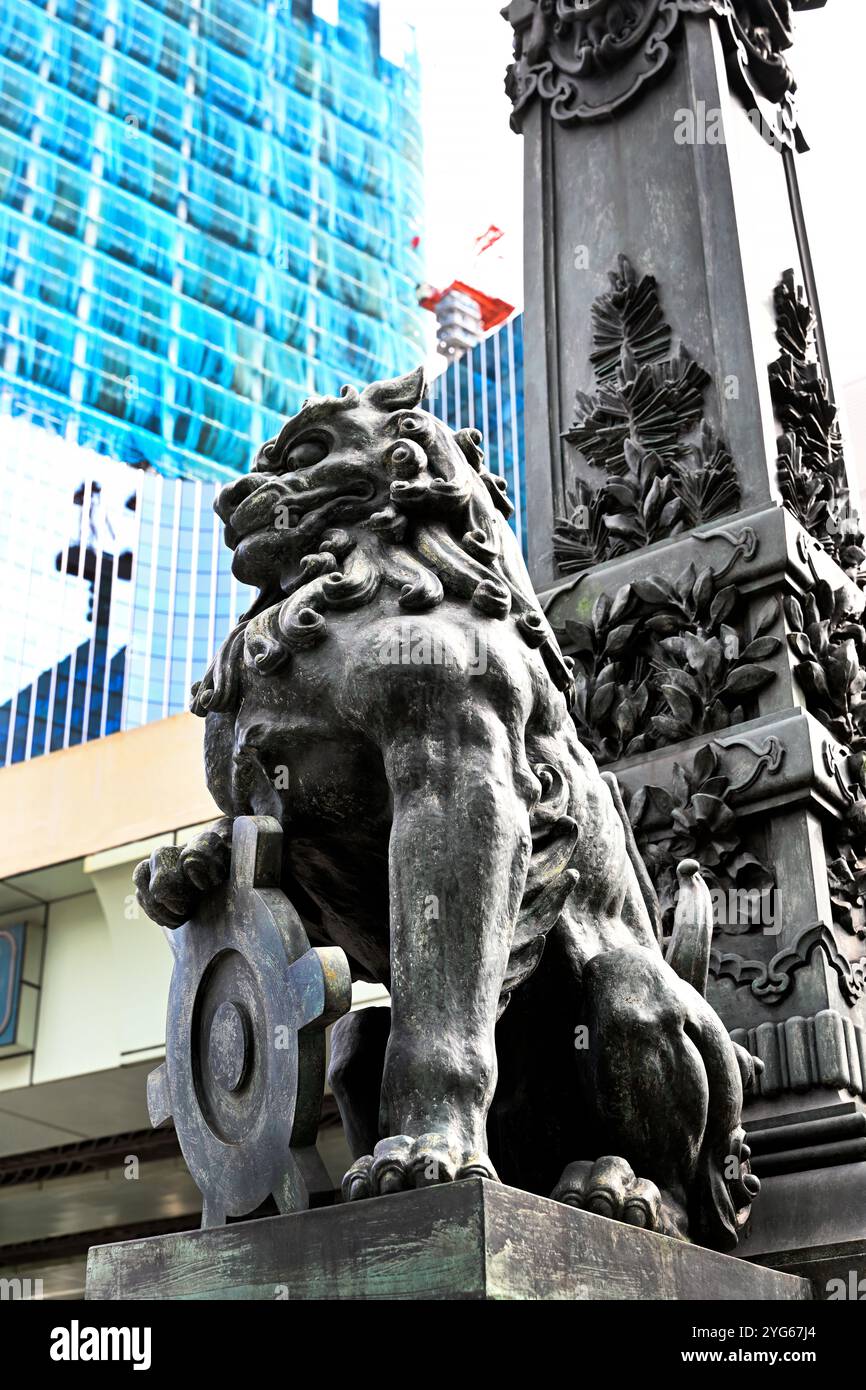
(205, 862)
(170, 884)
(401, 1162)
(608, 1187)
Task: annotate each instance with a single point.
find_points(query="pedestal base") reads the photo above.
(466, 1240)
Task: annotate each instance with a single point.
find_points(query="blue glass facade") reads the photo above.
(184, 598)
(484, 390)
(208, 209)
(67, 538)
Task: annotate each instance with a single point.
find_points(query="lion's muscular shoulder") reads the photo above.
(380, 666)
(403, 667)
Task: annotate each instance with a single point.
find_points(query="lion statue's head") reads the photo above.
(357, 491)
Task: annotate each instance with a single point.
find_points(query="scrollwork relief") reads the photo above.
(586, 58)
(772, 980)
(590, 59)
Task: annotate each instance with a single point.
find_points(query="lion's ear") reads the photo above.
(403, 393)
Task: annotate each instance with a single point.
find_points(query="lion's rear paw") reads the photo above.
(400, 1163)
(608, 1187)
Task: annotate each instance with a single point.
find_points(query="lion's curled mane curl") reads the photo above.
(442, 532)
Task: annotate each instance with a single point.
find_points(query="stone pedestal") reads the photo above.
(466, 1240)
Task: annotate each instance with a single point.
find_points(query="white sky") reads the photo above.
(474, 161)
(828, 63)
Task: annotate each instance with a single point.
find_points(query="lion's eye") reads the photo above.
(306, 452)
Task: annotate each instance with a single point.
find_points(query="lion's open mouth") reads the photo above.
(298, 511)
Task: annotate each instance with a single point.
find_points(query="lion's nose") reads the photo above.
(234, 493)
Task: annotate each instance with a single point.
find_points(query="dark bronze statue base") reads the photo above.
(466, 1240)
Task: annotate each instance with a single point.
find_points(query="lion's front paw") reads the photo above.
(400, 1163)
(170, 884)
(608, 1187)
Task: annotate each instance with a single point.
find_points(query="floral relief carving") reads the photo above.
(665, 661)
(663, 469)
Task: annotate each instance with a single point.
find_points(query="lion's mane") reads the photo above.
(443, 531)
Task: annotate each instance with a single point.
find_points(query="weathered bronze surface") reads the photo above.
(397, 702)
(471, 1240)
(245, 1043)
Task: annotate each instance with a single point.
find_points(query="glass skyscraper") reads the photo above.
(483, 390)
(208, 209)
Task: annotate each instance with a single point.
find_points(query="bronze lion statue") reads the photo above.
(397, 699)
